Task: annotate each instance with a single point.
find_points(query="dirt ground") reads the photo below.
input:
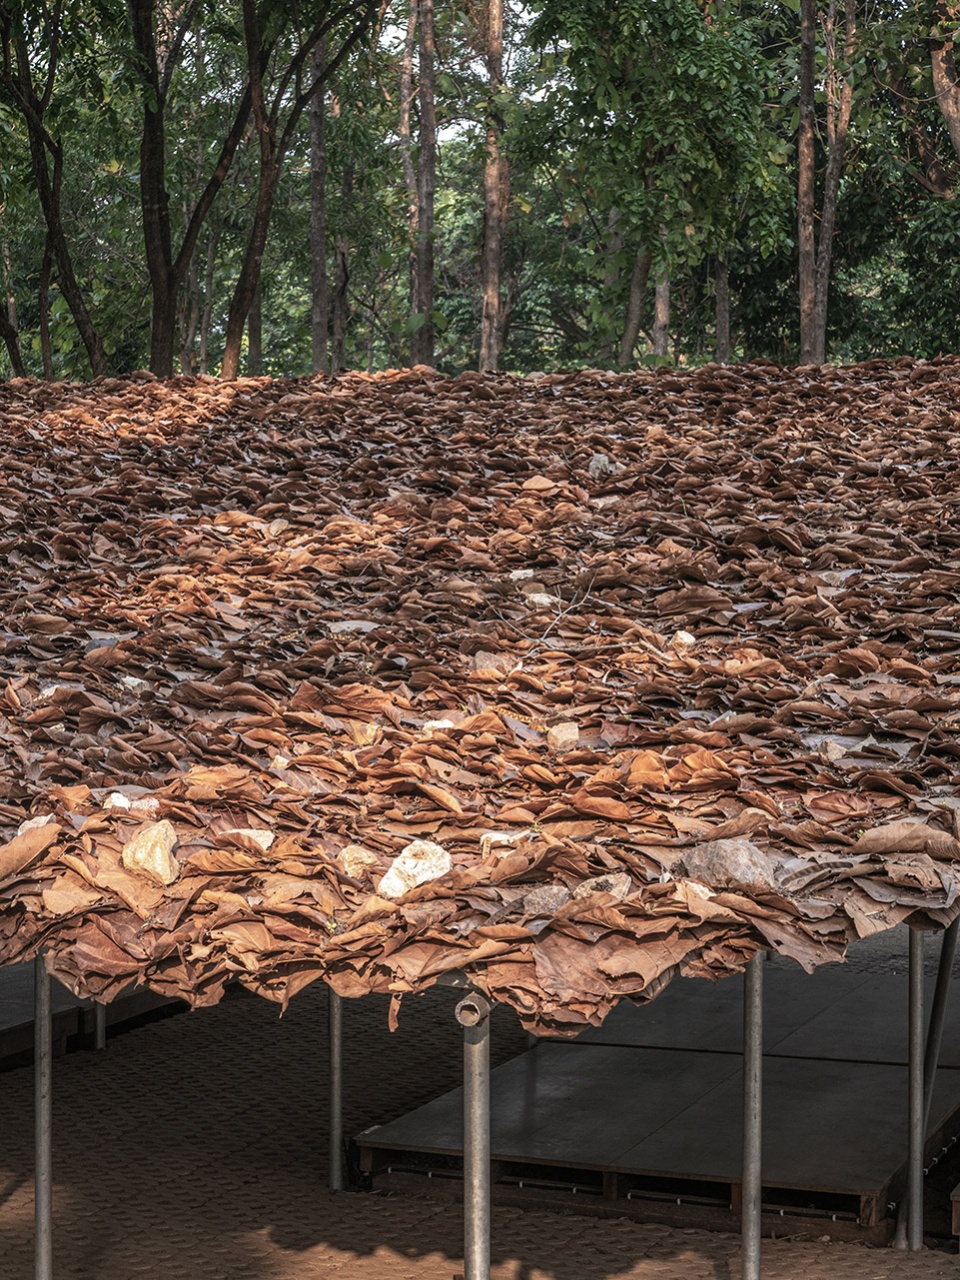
(196, 1147)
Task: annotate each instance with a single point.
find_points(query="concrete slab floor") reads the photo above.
(195, 1148)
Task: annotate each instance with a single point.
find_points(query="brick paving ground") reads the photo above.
(195, 1148)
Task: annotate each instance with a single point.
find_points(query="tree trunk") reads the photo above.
(167, 272)
(639, 279)
(269, 177)
(839, 110)
(661, 317)
(406, 148)
(246, 286)
(946, 78)
(11, 341)
(806, 183)
(423, 339)
(8, 287)
(11, 337)
(255, 335)
(319, 287)
(274, 144)
(495, 196)
(69, 286)
(154, 199)
(189, 307)
(607, 349)
(16, 74)
(43, 307)
(207, 316)
(48, 190)
(722, 290)
(341, 309)
(935, 176)
(341, 298)
(190, 320)
(611, 274)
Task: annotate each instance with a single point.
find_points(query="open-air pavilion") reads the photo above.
(555, 689)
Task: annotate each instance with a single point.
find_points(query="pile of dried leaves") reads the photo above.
(570, 682)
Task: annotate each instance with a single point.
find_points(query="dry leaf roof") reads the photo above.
(642, 672)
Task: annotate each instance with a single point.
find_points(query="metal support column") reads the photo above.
(473, 1014)
(335, 1028)
(43, 1120)
(938, 1018)
(931, 1054)
(752, 1176)
(915, 1092)
(99, 1025)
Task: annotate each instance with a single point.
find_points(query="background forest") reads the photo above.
(267, 186)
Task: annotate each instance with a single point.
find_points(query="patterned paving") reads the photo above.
(195, 1148)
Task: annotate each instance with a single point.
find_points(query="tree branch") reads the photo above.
(173, 56)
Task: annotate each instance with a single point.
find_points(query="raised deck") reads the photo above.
(649, 1105)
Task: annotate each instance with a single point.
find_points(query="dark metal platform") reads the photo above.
(832, 1013)
(651, 1102)
(71, 1016)
(16, 1013)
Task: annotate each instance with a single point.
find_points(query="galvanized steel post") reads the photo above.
(335, 1028)
(473, 1014)
(938, 1018)
(43, 1120)
(931, 1053)
(752, 1175)
(915, 1092)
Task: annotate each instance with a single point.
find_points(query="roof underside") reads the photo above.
(635, 675)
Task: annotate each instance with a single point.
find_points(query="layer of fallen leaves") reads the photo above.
(667, 668)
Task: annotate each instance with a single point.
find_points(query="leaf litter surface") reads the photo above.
(572, 683)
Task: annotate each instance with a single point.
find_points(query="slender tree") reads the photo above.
(341, 284)
(422, 346)
(255, 335)
(46, 151)
(636, 298)
(661, 316)
(496, 179)
(277, 107)
(807, 182)
(722, 298)
(11, 341)
(167, 270)
(407, 96)
(816, 251)
(43, 309)
(319, 284)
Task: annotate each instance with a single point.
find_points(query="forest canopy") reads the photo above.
(260, 187)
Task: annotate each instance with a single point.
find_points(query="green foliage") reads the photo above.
(629, 124)
(666, 108)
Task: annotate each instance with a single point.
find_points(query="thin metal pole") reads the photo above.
(335, 1026)
(752, 1176)
(43, 1120)
(99, 1025)
(473, 1014)
(915, 1092)
(931, 1055)
(938, 1018)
